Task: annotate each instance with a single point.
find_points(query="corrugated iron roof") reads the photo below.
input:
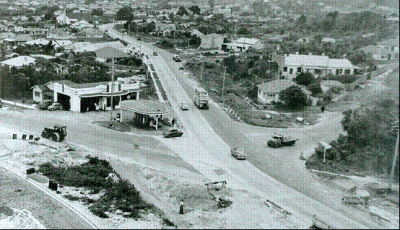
(275, 86)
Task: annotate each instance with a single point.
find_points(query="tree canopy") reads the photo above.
(293, 97)
(125, 13)
(304, 78)
(195, 9)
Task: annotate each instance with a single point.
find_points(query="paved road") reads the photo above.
(281, 164)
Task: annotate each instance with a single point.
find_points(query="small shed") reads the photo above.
(41, 93)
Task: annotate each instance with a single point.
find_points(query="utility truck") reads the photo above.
(201, 98)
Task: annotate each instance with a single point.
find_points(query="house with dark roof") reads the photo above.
(268, 92)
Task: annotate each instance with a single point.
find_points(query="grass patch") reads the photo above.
(92, 176)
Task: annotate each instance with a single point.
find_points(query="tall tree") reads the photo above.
(182, 11)
(293, 97)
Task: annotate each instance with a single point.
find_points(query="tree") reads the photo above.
(98, 12)
(182, 11)
(315, 88)
(302, 21)
(293, 97)
(304, 79)
(49, 47)
(125, 13)
(195, 9)
(358, 57)
(243, 30)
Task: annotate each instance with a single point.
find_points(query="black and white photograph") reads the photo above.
(199, 114)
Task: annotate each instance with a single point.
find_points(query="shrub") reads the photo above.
(224, 202)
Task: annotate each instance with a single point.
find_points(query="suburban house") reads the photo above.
(18, 61)
(291, 65)
(89, 96)
(63, 19)
(165, 29)
(326, 40)
(107, 52)
(390, 44)
(7, 35)
(41, 93)
(328, 84)
(268, 92)
(243, 44)
(211, 41)
(40, 41)
(36, 31)
(93, 33)
(379, 53)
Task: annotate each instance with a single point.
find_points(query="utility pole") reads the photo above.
(202, 67)
(223, 82)
(112, 93)
(396, 154)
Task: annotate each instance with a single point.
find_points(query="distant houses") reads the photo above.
(385, 50)
(243, 44)
(268, 93)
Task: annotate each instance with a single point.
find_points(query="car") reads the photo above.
(238, 153)
(184, 105)
(181, 68)
(44, 104)
(172, 133)
(155, 53)
(55, 106)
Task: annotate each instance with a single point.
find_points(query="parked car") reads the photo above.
(184, 105)
(55, 106)
(238, 153)
(44, 104)
(172, 133)
(155, 53)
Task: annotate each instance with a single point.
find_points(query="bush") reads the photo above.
(224, 202)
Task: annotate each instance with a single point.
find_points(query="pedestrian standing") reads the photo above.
(173, 122)
(181, 208)
(322, 109)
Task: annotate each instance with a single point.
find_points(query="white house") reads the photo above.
(41, 93)
(63, 19)
(390, 44)
(379, 53)
(243, 44)
(92, 96)
(320, 65)
(211, 41)
(18, 61)
(268, 92)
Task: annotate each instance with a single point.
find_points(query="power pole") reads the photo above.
(223, 81)
(201, 70)
(396, 154)
(112, 93)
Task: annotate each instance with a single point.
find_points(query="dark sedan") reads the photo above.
(172, 133)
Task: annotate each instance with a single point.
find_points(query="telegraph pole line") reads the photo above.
(201, 70)
(112, 93)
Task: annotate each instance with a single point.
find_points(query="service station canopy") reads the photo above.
(146, 107)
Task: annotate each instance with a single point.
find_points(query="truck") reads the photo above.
(200, 98)
(279, 140)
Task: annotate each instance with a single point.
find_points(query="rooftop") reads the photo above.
(275, 86)
(145, 107)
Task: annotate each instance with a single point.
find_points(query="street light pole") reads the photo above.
(223, 81)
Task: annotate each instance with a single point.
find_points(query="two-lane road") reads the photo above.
(212, 133)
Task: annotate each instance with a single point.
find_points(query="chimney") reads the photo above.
(323, 54)
(297, 52)
(309, 53)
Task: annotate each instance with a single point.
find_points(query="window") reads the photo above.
(347, 71)
(298, 69)
(119, 87)
(271, 95)
(108, 88)
(285, 69)
(291, 71)
(37, 94)
(340, 71)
